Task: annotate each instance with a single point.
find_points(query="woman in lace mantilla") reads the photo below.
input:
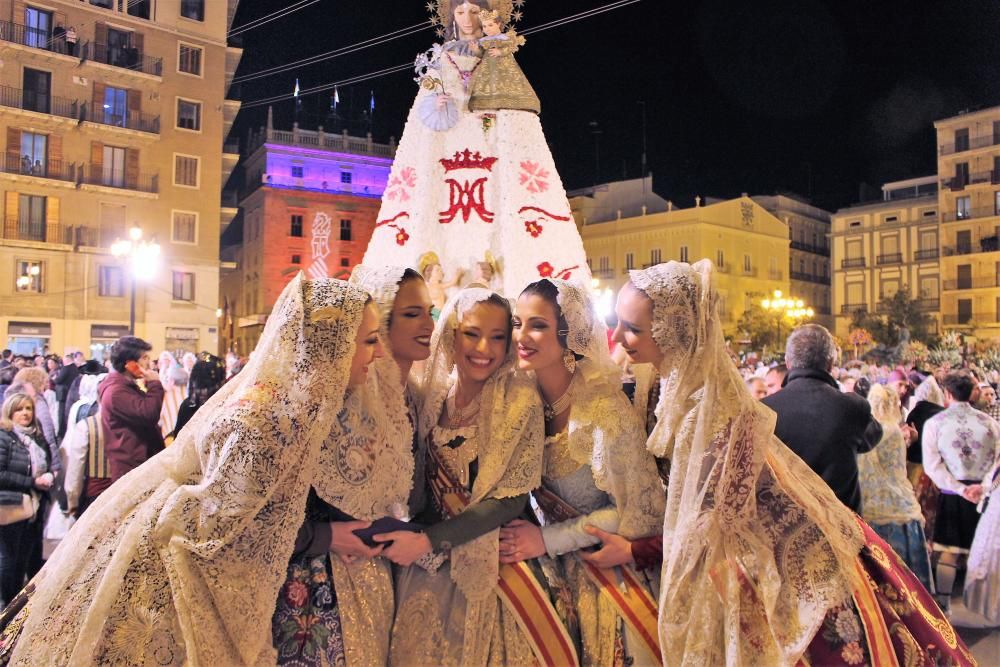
(594, 462)
(336, 604)
(181, 560)
(762, 564)
(483, 431)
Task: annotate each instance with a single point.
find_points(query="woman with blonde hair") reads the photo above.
(25, 477)
(888, 502)
(34, 381)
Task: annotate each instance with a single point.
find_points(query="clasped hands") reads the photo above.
(405, 546)
(522, 540)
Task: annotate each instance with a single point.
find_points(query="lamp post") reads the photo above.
(796, 309)
(24, 281)
(143, 256)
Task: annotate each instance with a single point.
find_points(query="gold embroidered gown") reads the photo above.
(498, 82)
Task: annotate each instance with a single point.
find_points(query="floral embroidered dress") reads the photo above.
(982, 579)
(475, 186)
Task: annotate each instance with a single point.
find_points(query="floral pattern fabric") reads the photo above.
(307, 627)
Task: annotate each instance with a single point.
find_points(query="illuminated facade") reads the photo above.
(311, 205)
(114, 115)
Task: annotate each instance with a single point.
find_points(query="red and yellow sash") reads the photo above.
(518, 588)
(620, 584)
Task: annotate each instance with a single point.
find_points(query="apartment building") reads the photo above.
(115, 116)
(881, 247)
(311, 205)
(969, 201)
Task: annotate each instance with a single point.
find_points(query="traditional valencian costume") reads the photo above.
(467, 184)
(179, 563)
(762, 564)
(331, 612)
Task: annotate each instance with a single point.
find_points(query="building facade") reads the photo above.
(311, 205)
(880, 248)
(809, 251)
(969, 201)
(115, 115)
(747, 244)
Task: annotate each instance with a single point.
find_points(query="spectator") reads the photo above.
(63, 381)
(207, 376)
(92, 367)
(988, 400)
(39, 361)
(24, 469)
(188, 361)
(825, 427)
(33, 381)
(6, 359)
(775, 378)
(898, 381)
(131, 397)
(929, 401)
(87, 470)
(959, 449)
(19, 362)
(175, 390)
(887, 498)
(6, 378)
(71, 41)
(757, 387)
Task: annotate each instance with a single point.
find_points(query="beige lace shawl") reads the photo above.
(756, 546)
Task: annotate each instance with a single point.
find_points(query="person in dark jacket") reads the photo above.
(63, 381)
(24, 469)
(207, 375)
(826, 428)
(131, 398)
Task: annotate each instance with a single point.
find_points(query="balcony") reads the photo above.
(809, 278)
(925, 255)
(972, 144)
(749, 271)
(320, 185)
(53, 169)
(986, 244)
(890, 259)
(970, 214)
(851, 308)
(20, 229)
(16, 33)
(124, 57)
(853, 263)
(980, 282)
(814, 249)
(775, 274)
(923, 305)
(130, 120)
(955, 184)
(968, 319)
(93, 175)
(29, 100)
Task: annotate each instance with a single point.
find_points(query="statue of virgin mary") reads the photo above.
(474, 186)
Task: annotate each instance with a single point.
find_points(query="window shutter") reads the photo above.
(96, 161)
(12, 202)
(97, 106)
(134, 100)
(55, 156)
(13, 149)
(20, 15)
(101, 33)
(138, 40)
(131, 167)
(52, 234)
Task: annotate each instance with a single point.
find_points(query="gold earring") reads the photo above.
(569, 360)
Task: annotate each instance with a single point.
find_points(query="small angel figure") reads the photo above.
(498, 82)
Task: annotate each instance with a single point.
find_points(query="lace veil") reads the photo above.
(604, 431)
(510, 431)
(929, 390)
(757, 548)
(885, 405)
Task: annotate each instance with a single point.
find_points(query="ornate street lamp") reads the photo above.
(794, 309)
(143, 258)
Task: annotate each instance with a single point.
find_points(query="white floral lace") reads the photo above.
(181, 560)
(757, 548)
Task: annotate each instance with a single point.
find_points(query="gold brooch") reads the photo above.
(326, 314)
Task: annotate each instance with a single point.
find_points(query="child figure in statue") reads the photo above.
(498, 82)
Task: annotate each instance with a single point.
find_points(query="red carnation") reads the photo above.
(533, 228)
(545, 270)
(402, 237)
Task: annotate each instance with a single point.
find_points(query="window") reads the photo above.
(106, 4)
(996, 204)
(188, 115)
(110, 281)
(186, 170)
(296, 259)
(746, 264)
(720, 259)
(37, 87)
(345, 262)
(37, 28)
(962, 139)
(33, 153)
(684, 253)
(930, 214)
(297, 171)
(961, 174)
(119, 49)
(183, 286)
(115, 106)
(963, 207)
(193, 9)
(345, 230)
(346, 177)
(929, 287)
(629, 261)
(963, 241)
(185, 227)
(29, 276)
(964, 310)
(963, 272)
(138, 8)
(113, 167)
(854, 223)
(891, 218)
(655, 257)
(603, 264)
(189, 59)
(30, 218)
(296, 226)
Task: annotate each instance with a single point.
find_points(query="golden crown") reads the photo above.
(507, 12)
(490, 15)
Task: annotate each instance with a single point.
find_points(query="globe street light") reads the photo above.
(24, 281)
(795, 309)
(143, 257)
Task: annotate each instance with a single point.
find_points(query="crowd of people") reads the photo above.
(378, 488)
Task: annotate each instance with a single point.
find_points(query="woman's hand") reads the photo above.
(349, 546)
(520, 540)
(973, 493)
(441, 102)
(615, 549)
(44, 482)
(406, 546)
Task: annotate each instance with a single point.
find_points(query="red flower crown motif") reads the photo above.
(468, 160)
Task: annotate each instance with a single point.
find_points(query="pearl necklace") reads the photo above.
(556, 407)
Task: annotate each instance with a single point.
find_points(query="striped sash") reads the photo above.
(621, 585)
(97, 457)
(518, 588)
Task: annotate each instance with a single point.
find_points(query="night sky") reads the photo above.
(807, 96)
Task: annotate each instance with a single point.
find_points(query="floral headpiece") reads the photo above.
(507, 12)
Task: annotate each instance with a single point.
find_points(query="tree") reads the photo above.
(765, 328)
(899, 312)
